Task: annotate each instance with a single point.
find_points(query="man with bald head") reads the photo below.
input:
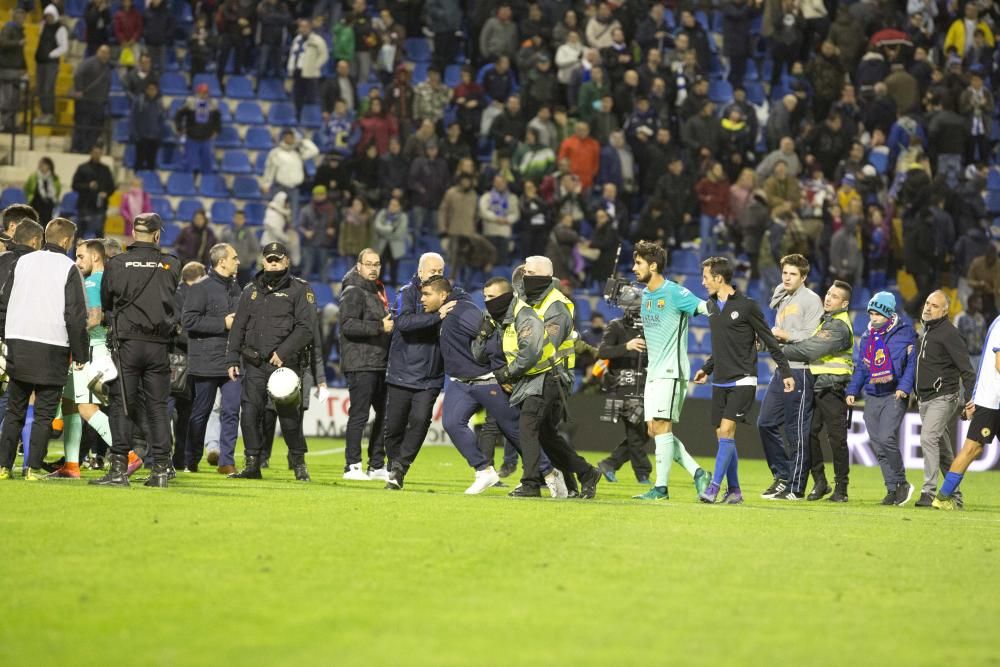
(943, 372)
(415, 373)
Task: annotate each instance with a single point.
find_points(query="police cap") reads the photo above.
(275, 248)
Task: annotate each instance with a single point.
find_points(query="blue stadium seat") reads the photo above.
(240, 88)
(323, 292)
(213, 185)
(67, 207)
(755, 92)
(169, 235)
(118, 106)
(685, 261)
(174, 83)
(223, 212)
(224, 112)
(418, 49)
(209, 80)
(452, 75)
(582, 309)
(228, 138)
(260, 162)
(151, 182)
(272, 90)
(879, 160)
(119, 131)
(720, 92)
(181, 184)
(312, 116)
(249, 113)
(282, 114)
(993, 201)
(128, 159)
(236, 162)
(187, 208)
(255, 213)
(860, 298)
(12, 196)
(420, 72)
(170, 158)
(116, 82)
(607, 310)
(259, 139)
(993, 179)
(162, 208)
(75, 8)
(246, 187)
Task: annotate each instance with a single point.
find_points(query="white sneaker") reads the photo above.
(381, 474)
(356, 474)
(484, 480)
(557, 484)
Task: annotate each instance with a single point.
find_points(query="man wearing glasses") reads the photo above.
(274, 325)
(366, 327)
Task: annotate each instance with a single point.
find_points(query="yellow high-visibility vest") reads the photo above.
(837, 363)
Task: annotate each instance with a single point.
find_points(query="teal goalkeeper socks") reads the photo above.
(664, 457)
(99, 422)
(681, 456)
(72, 433)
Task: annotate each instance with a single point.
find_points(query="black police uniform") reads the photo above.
(137, 294)
(622, 380)
(276, 314)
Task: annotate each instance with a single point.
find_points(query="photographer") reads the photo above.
(625, 349)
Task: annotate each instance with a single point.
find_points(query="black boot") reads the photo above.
(395, 481)
(116, 474)
(820, 487)
(302, 473)
(251, 471)
(839, 493)
(588, 483)
(159, 477)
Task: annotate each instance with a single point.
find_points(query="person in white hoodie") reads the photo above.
(285, 169)
(278, 227)
(53, 43)
(568, 57)
(306, 58)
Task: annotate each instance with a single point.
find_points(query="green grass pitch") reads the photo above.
(226, 572)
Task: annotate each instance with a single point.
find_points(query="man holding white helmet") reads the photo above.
(274, 326)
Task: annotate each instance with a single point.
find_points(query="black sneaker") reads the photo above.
(608, 471)
(839, 494)
(925, 500)
(523, 491)
(507, 469)
(904, 491)
(302, 473)
(890, 498)
(820, 489)
(789, 495)
(588, 483)
(395, 480)
(779, 488)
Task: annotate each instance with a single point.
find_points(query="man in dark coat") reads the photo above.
(209, 311)
(737, 44)
(93, 184)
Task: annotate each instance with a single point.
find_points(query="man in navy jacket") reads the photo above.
(209, 311)
(415, 374)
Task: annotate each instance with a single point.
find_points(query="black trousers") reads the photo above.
(145, 368)
(830, 415)
(539, 429)
(181, 420)
(367, 390)
(632, 447)
(145, 154)
(253, 405)
(304, 91)
(46, 401)
(408, 414)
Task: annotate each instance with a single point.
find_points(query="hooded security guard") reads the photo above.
(273, 330)
(137, 295)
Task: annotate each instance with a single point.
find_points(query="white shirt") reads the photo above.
(987, 391)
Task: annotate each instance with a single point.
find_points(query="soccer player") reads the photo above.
(798, 312)
(984, 411)
(78, 401)
(736, 322)
(666, 308)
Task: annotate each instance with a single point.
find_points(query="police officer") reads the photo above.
(830, 355)
(529, 376)
(137, 295)
(274, 327)
(624, 349)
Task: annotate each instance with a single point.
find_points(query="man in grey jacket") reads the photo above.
(798, 312)
(829, 353)
(942, 364)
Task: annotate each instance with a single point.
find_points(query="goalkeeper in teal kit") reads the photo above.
(666, 309)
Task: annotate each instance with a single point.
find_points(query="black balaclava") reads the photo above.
(497, 307)
(535, 286)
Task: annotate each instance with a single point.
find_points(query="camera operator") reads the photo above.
(625, 349)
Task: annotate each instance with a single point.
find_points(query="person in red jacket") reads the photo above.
(583, 153)
(127, 27)
(713, 196)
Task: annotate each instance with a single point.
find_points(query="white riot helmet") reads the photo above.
(283, 387)
(102, 371)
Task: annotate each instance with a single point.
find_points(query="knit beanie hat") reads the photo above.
(883, 303)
